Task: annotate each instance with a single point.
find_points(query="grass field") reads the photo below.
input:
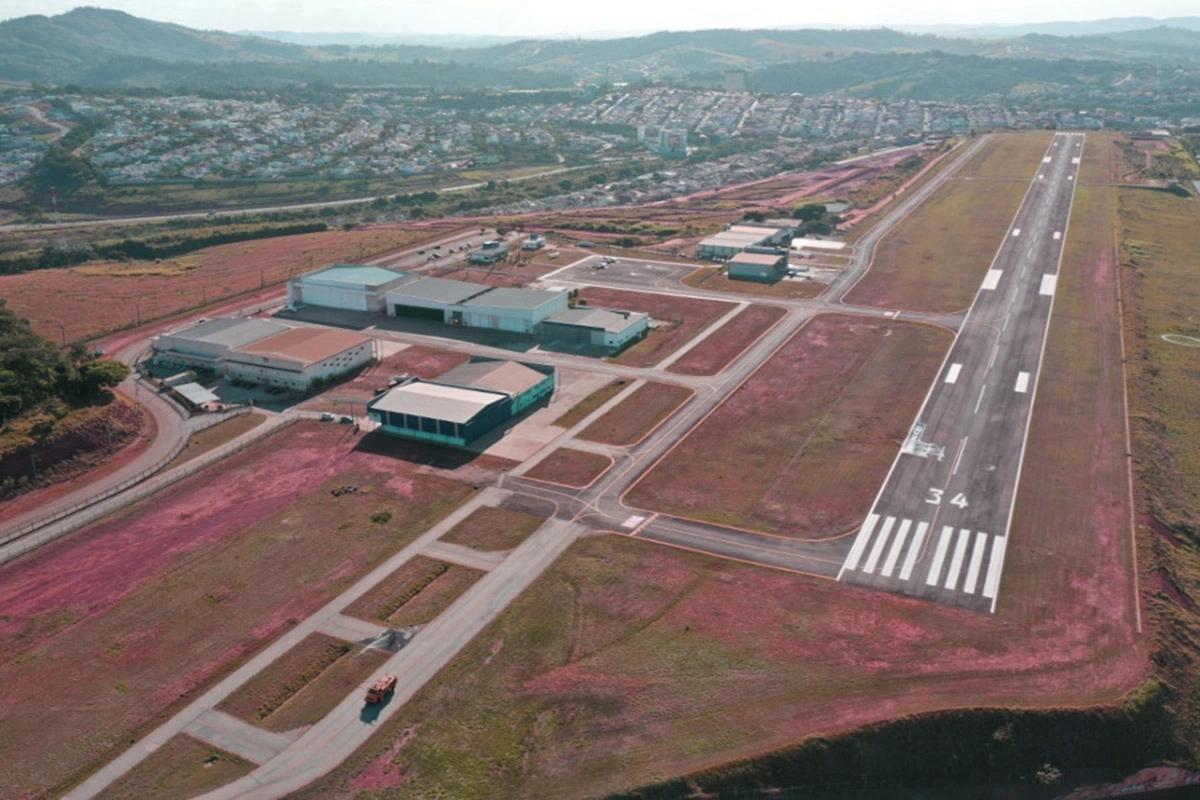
(304, 684)
(714, 279)
(570, 467)
(183, 767)
(719, 350)
(414, 594)
(636, 416)
(680, 318)
(751, 463)
(935, 258)
(1008, 156)
(493, 528)
(628, 662)
(211, 438)
(587, 405)
(99, 297)
(132, 616)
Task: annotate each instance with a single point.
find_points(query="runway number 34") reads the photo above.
(935, 498)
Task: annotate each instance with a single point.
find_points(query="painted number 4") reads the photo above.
(935, 498)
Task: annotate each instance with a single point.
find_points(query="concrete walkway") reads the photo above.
(109, 773)
(464, 556)
(352, 629)
(240, 738)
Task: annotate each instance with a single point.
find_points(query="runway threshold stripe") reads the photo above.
(1022, 384)
(1049, 282)
(960, 550)
(995, 565)
(952, 373)
(860, 542)
(897, 545)
(880, 541)
(910, 558)
(976, 559)
(992, 279)
(939, 556)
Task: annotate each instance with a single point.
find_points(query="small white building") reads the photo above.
(535, 242)
(354, 287)
(299, 357)
(206, 344)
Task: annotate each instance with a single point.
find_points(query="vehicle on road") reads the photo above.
(381, 689)
(345, 420)
(326, 417)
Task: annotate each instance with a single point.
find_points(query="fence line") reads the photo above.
(29, 527)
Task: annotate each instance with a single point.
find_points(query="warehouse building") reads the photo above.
(431, 298)
(462, 405)
(299, 357)
(206, 344)
(600, 328)
(760, 267)
(739, 238)
(508, 309)
(354, 287)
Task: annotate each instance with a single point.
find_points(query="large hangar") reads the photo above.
(354, 287)
(462, 405)
(299, 357)
(206, 344)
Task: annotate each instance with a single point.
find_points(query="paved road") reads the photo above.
(939, 527)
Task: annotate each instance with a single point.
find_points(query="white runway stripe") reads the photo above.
(1057, 235)
(995, 565)
(910, 558)
(1046, 160)
(992, 279)
(976, 560)
(880, 541)
(1022, 384)
(952, 373)
(939, 556)
(1016, 232)
(897, 544)
(960, 550)
(1049, 282)
(860, 542)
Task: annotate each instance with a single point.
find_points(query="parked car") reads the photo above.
(345, 420)
(326, 416)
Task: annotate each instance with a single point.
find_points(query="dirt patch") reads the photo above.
(720, 349)
(493, 528)
(569, 467)
(304, 684)
(679, 320)
(110, 629)
(752, 463)
(636, 416)
(415, 593)
(183, 767)
(211, 438)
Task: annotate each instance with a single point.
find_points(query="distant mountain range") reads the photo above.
(100, 47)
(1098, 27)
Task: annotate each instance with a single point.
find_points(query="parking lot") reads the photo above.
(634, 273)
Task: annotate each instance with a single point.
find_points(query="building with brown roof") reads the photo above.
(299, 357)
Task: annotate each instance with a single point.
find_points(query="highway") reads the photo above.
(939, 526)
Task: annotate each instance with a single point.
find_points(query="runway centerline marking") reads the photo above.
(962, 445)
(979, 402)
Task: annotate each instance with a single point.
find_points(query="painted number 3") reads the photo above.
(935, 498)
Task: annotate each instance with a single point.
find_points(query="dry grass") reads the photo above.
(183, 767)
(1008, 156)
(753, 462)
(587, 405)
(719, 350)
(636, 416)
(415, 593)
(211, 438)
(570, 467)
(493, 528)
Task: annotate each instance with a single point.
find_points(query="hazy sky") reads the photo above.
(540, 17)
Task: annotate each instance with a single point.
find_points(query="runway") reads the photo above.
(939, 526)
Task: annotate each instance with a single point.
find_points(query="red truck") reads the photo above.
(382, 688)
